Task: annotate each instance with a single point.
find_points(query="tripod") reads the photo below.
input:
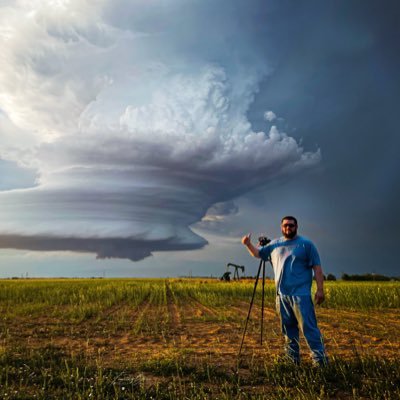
(262, 265)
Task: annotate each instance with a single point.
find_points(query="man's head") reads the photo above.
(289, 227)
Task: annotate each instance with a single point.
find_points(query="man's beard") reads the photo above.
(290, 235)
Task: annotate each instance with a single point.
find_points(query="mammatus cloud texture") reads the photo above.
(133, 114)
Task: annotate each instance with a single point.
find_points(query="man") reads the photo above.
(293, 259)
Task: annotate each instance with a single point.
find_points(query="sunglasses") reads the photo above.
(289, 225)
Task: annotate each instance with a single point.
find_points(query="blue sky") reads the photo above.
(153, 135)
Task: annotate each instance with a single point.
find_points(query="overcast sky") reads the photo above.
(145, 138)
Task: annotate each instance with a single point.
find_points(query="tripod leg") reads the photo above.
(262, 301)
(251, 305)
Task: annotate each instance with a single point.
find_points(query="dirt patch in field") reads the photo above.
(349, 332)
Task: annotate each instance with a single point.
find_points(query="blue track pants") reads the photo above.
(297, 313)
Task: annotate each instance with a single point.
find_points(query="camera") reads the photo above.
(263, 241)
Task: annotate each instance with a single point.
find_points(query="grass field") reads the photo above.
(179, 339)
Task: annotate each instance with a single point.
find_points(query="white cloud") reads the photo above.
(138, 125)
(269, 116)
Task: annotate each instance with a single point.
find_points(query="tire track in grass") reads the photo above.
(175, 321)
(201, 309)
(269, 312)
(138, 315)
(115, 308)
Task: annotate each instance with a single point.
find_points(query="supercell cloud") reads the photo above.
(133, 115)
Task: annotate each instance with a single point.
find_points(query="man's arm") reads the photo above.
(319, 279)
(253, 250)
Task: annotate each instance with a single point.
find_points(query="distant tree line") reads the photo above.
(369, 277)
(362, 277)
(330, 277)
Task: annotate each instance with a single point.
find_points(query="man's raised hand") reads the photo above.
(246, 239)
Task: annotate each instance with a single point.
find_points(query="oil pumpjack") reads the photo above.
(226, 276)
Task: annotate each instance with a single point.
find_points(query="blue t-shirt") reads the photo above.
(292, 261)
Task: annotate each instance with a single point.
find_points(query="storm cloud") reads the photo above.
(133, 115)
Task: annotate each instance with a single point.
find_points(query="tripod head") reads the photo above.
(263, 241)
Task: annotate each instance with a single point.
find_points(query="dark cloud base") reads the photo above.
(134, 250)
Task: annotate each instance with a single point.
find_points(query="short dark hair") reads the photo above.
(289, 217)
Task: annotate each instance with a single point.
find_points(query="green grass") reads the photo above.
(72, 299)
(103, 308)
(23, 296)
(362, 295)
